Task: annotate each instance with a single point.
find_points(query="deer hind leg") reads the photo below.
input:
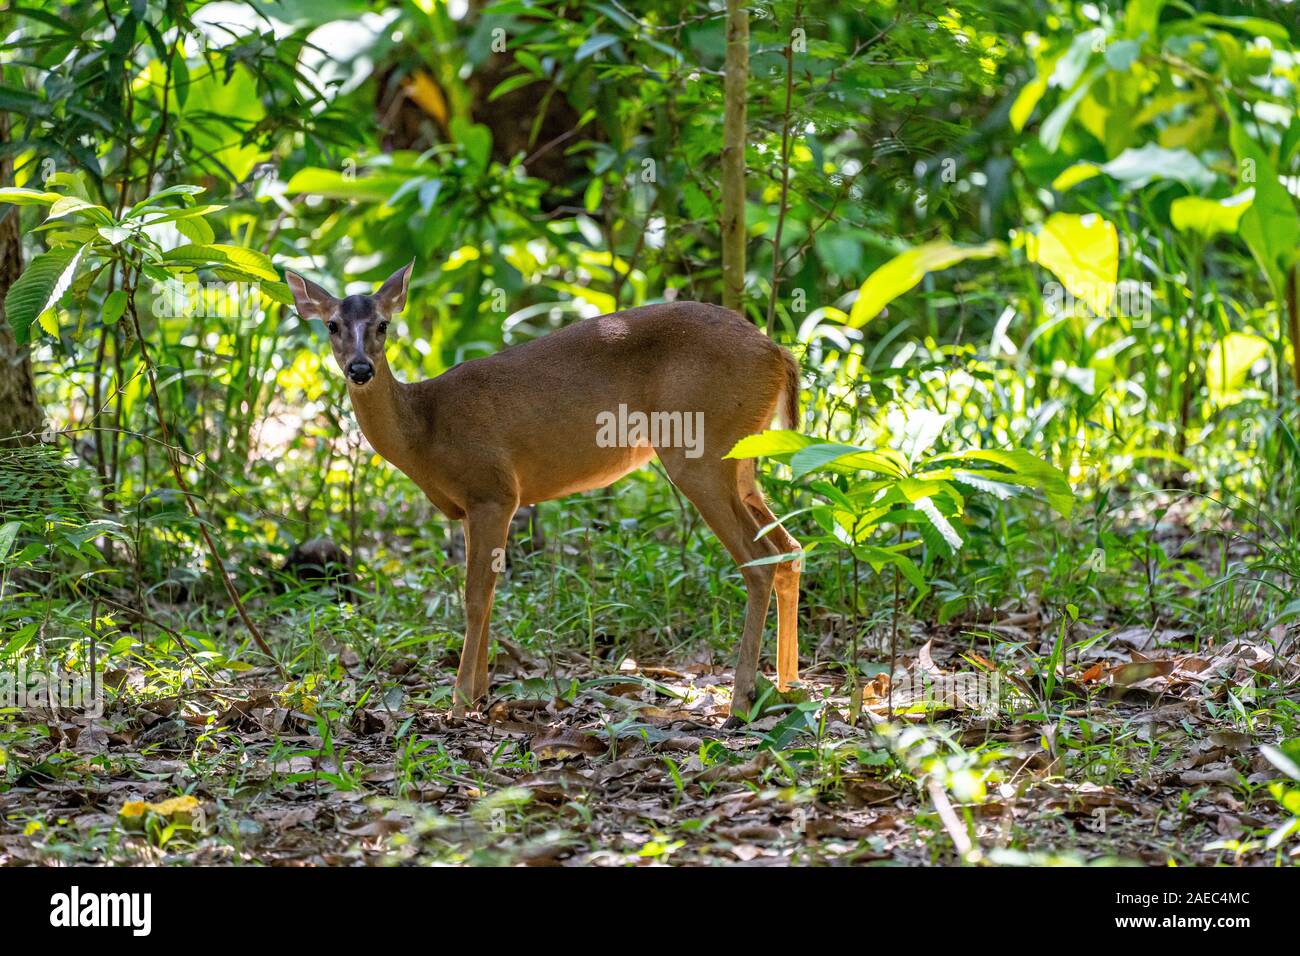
(487, 530)
(786, 579)
(712, 486)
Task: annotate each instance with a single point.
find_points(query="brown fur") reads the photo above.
(520, 427)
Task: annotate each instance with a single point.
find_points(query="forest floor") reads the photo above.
(1149, 753)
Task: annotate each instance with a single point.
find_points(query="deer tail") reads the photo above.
(787, 403)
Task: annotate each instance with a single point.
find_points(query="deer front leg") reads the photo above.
(487, 529)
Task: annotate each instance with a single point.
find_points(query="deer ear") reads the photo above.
(311, 300)
(391, 297)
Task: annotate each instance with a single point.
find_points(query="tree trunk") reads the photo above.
(20, 413)
(733, 158)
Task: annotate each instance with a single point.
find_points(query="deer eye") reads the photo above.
(383, 328)
(334, 328)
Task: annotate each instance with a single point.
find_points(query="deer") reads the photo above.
(542, 420)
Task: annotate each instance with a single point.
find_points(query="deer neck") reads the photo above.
(383, 411)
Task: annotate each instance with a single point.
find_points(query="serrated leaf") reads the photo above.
(197, 231)
(1021, 468)
(941, 524)
(40, 287)
(250, 261)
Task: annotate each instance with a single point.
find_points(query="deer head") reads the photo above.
(358, 324)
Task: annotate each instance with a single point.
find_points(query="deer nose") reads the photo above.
(360, 371)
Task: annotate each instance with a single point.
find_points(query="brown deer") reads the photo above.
(543, 420)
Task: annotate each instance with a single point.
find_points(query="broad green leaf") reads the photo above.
(181, 189)
(1078, 173)
(593, 45)
(1270, 226)
(1206, 217)
(819, 456)
(8, 532)
(197, 231)
(476, 139)
(21, 196)
(1138, 167)
(1286, 757)
(49, 322)
(1229, 361)
(1026, 100)
(902, 273)
(248, 261)
(333, 184)
(115, 234)
(770, 444)
(70, 204)
(941, 524)
(40, 287)
(845, 458)
(1021, 468)
(114, 306)
(1081, 251)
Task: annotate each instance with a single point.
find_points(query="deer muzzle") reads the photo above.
(360, 371)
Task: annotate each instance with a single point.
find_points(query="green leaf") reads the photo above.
(1026, 100)
(1021, 468)
(476, 139)
(8, 532)
(40, 287)
(1286, 757)
(925, 504)
(845, 458)
(1078, 173)
(197, 231)
(20, 196)
(902, 273)
(71, 204)
(248, 261)
(333, 184)
(1229, 361)
(114, 306)
(1081, 251)
(593, 45)
(510, 84)
(1142, 16)
(181, 189)
(1138, 167)
(1207, 217)
(773, 443)
(1270, 226)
